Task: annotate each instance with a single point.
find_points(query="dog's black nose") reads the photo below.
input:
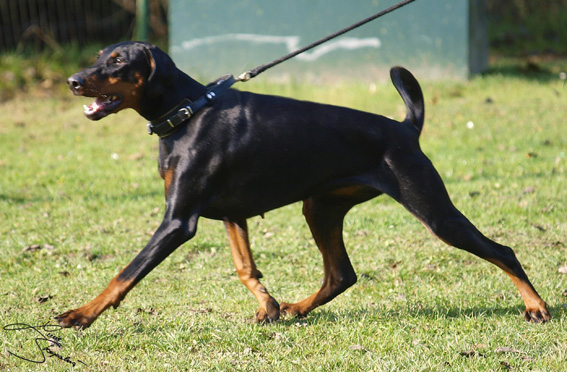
(75, 82)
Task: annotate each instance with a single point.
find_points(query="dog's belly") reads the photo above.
(264, 195)
(237, 210)
(254, 197)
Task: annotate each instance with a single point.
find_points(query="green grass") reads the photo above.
(92, 192)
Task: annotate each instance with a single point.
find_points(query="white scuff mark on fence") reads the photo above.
(291, 43)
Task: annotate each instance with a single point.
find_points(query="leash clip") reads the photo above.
(245, 76)
(150, 128)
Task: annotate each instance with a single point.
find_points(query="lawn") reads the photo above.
(79, 199)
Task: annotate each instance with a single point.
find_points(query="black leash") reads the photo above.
(258, 70)
(168, 124)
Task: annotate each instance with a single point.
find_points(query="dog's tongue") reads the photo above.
(92, 108)
(100, 106)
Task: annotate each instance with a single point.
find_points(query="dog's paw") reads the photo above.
(292, 310)
(540, 315)
(75, 318)
(269, 314)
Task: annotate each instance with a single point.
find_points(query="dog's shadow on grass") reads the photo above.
(16, 199)
(430, 313)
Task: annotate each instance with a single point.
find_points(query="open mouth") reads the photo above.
(105, 104)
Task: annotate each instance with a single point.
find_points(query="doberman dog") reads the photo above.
(243, 154)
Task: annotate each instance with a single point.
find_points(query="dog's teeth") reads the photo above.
(108, 99)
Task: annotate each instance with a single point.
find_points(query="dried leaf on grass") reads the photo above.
(471, 353)
(509, 350)
(42, 299)
(358, 347)
(37, 247)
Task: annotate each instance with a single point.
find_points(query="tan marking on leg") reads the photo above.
(152, 64)
(326, 224)
(247, 271)
(332, 247)
(168, 177)
(536, 308)
(84, 316)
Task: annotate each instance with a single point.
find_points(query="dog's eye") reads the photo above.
(118, 61)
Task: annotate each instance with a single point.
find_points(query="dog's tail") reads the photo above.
(409, 90)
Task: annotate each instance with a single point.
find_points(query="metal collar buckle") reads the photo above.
(187, 111)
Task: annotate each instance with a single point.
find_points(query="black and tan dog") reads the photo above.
(243, 154)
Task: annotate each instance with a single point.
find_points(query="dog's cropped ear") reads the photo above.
(162, 68)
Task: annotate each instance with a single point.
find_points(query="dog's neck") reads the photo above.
(182, 113)
(183, 87)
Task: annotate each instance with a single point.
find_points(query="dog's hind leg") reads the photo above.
(248, 273)
(423, 193)
(325, 215)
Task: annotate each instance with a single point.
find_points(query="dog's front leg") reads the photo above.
(246, 268)
(171, 234)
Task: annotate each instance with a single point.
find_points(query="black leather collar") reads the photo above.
(181, 114)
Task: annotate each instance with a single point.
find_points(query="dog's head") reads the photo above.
(125, 75)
